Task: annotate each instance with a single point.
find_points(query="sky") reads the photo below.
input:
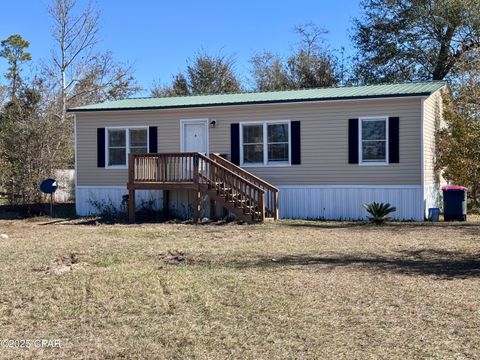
(157, 37)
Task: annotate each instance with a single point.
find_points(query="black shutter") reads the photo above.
(152, 139)
(296, 145)
(101, 147)
(235, 143)
(353, 141)
(393, 140)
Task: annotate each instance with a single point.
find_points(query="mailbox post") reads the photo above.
(49, 186)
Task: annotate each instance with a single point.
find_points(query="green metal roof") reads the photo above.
(323, 94)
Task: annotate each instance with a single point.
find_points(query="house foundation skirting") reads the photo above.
(91, 199)
(344, 202)
(339, 202)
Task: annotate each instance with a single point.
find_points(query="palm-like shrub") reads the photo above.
(379, 211)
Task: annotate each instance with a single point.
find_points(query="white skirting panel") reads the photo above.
(295, 201)
(344, 202)
(181, 204)
(90, 198)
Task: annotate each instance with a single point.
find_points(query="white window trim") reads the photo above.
(184, 122)
(265, 144)
(360, 152)
(127, 139)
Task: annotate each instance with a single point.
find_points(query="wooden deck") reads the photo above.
(242, 193)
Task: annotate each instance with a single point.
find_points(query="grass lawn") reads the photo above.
(290, 290)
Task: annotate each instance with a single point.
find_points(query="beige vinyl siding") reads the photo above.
(431, 123)
(324, 140)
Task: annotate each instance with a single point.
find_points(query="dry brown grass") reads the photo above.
(295, 289)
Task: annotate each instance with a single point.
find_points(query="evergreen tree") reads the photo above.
(205, 75)
(13, 49)
(404, 40)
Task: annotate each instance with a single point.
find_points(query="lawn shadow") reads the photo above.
(320, 224)
(424, 262)
(472, 228)
(90, 221)
(30, 211)
(140, 219)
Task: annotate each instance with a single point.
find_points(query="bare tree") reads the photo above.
(75, 36)
(310, 65)
(311, 38)
(82, 74)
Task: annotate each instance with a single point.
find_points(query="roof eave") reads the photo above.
(77, 110)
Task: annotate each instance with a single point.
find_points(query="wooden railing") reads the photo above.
(271, 192)
(242, 193)
(162, 168)
(232, 184)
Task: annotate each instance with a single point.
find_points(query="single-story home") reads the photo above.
(312, 154)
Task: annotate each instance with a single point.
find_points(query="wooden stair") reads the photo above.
(232, 190)
(271, 192)
(240, 208)
(250, 198)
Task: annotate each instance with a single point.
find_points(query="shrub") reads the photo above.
(379, 212)
(108, 211)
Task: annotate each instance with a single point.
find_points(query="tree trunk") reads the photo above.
(444, 63)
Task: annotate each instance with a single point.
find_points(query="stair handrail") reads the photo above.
(248, 182)
(184, 153)
(245, 173)
(271, 191)
(258, 201)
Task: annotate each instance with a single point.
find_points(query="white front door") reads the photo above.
(195, 136)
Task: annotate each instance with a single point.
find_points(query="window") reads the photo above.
(253, 144)
(117, 147)
(138, 141)
(266, 143)
(277, 142)
(122, 141)
(373, 141)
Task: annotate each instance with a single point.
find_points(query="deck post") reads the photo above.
(261, 205)
(196, 206)
(131, 191)
(196, 200)
(275, 205)
(213, 209)
(131, 205)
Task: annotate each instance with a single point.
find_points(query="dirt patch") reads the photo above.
(178, 257)
(62, 265)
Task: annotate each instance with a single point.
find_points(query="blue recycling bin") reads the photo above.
(454, 203)
(434, 214)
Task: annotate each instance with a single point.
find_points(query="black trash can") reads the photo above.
(454, 203)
